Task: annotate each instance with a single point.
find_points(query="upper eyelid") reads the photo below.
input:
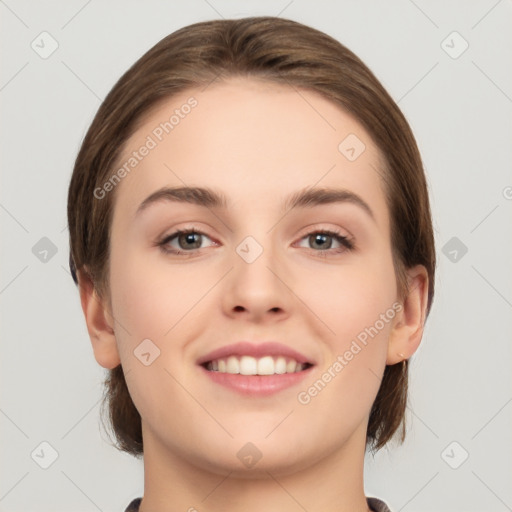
(313, 229)
(322, 229)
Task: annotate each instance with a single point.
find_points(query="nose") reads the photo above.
(256, 289)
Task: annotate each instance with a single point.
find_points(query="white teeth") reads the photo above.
(290, 366)
(247, 365)
(280, 365)
(233, 365)
(265, 366)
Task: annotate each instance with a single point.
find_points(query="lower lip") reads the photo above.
(257, 385)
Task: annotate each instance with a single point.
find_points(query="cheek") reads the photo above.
(158, 301)
(356, 305)
(351, 298)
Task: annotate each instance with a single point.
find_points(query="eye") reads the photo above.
(322, 241)
(188, 240)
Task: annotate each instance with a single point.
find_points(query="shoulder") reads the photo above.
(377, 505)
(134, 505)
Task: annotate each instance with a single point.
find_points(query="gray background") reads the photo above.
(459, 107)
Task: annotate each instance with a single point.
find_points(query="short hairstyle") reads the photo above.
(280, 51)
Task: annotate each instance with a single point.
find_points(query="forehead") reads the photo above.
(254, 140)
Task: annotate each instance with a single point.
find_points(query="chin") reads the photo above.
(244, 458)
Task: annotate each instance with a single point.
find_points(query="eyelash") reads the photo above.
(347, 244)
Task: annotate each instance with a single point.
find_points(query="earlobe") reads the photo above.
(99, 323)
(407, 331)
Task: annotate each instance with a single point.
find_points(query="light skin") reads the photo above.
(257, 143)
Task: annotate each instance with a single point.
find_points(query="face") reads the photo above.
(300, 299)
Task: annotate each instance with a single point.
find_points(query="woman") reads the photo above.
(252, 368)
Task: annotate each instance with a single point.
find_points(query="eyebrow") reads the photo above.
(209, 198)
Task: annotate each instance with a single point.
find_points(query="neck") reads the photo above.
(331, 484)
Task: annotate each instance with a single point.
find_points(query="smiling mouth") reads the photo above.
(248, 365)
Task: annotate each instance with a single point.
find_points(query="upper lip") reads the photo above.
(257, 350)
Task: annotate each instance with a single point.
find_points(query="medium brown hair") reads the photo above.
(280, 51)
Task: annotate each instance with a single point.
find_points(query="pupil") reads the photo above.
(188, 238)
(320, 238)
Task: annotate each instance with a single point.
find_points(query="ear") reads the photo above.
(409, 323)
(99, 323)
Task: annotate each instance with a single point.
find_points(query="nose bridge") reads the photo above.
(254, 282)
(255, 255)
(256, 238)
